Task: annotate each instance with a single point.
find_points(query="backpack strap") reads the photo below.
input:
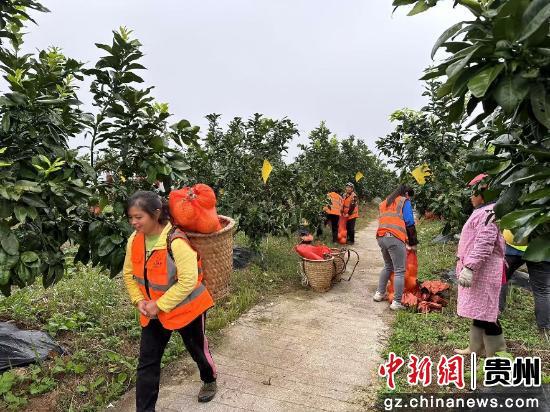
(177, 233)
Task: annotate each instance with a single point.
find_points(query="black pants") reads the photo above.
(491, 328)
(350, 227)
(333, 220)
(539, 280)
(154, 338)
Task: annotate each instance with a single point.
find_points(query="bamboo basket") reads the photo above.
(317, 274)
(216, 251)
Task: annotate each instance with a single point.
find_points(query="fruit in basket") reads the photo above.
(194, 209)
(205, 195)
(312, 252)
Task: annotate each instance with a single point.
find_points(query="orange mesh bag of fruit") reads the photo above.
(194, 209)
(411, 273)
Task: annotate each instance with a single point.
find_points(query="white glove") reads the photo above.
(465, 277)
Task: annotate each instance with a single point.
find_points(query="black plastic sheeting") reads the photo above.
(22, 347)
(443, 239)
(242, 257)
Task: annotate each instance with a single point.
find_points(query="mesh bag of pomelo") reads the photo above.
(342, 230)
(411, 273)
(193, 209)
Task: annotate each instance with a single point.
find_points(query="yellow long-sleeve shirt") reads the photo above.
(186, 264)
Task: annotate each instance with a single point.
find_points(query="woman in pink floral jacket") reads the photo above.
(479, 271)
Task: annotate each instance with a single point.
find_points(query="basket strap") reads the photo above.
(343, 261)
(356, 263)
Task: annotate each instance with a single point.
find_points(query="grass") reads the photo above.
(90, 316)
(435, 334)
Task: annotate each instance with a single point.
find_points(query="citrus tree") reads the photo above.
(50, 196)
(45, 186)
(425, 137)
(132, 147)
(331, 163)
(499, 63)
(231, 162)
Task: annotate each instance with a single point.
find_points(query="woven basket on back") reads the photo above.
(216, 251)
(339, 262)
(318, 273)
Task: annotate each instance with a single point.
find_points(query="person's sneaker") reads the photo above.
(208, 391)
(379, 297)
(396, 306)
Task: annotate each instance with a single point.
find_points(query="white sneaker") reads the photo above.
(379, 297)
(397, 306)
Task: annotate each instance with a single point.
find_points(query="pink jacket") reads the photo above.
(481, 248)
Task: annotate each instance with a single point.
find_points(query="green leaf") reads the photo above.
(157, 143)
(528, 174)
(33, 201)
(79, 368)
(507, 201)
(510, 92)
(479, 84)
(7, 380)
(6, 208)
(539, 19)
(151, 174)
(456, 110)
(455, 68)
(525, 230)
(122, 377)
(503, 165)
(20, 213)
(6, 123)
(29, 257)
(536, 195)
(83, 254)
(540, 103)
(397, 3)
(445, 89)
(130, 77)
(108, 209)
(10, 243)
(24, 273)
(432, 74)
(517, 218)
(447, 34)
(81, 389)
(538, 249)
(95, 384)
(28, 186)
(105, 246)
(117, 239)
(419, 7)
(32, 213)
(471, 5)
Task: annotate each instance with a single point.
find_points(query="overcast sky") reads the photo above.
(348, 62)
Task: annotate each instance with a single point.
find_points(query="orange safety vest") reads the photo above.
(336, 206)
(347, 204)
(158, 274)
(390, 219)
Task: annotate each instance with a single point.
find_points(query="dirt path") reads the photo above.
(303, 351)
